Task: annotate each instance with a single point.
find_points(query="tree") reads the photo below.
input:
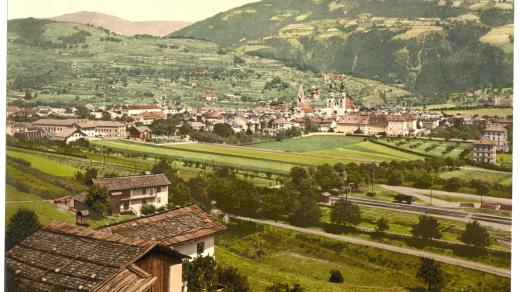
(185, 129)
(232, 280)
(163, 167)
(147, 209)
(453, 184)
(427, 227)
(199, 190)
(22, 224)
(382, 224)
(475, 235)
(223, 130)
(327, 178)
(90, 174)
(106, 116)
(279, 287)
(482, 190)
(431, 273)
(178, 192)
(200, 274)
(345, 212)
(395, 178)
(98, 201)
(335, 276)
(307, 214)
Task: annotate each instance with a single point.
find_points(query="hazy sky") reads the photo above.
(135, 10)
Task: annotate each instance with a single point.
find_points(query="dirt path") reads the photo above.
(438, 257)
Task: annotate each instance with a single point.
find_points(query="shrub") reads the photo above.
(147, 209)
(335, 276)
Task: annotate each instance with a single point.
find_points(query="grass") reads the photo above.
(310, 143)
(479, 174)
(427, 147)
(500, 112)
(45, 164)
(505, 159)
(268, 255)
(45, 210)
(353, 150)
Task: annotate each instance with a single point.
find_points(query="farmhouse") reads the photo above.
(69, 135)
(148, 117)
(66, 257)
(142, 133)
(188, 230)
(498, 135)
(485, 151)
(129, 193)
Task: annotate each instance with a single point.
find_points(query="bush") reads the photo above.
(147, 209)
(335, 276)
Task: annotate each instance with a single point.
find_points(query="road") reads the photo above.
(497, 222)
(425, 193)
(441, 258)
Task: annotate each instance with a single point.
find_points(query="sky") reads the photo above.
(133, 10)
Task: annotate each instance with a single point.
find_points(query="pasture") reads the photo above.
(275, 156)
(44, 164)
(467, 174)
(268, 255)
(491, 112)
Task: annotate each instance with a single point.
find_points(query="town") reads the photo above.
(277, 146)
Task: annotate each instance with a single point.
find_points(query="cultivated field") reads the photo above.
(491, 112)
(427, 147)
(268, 255)
(277, 156)
(491, 177)
(45, 165)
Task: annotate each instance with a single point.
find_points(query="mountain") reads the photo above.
(431, 47)
(68, 63)
(122, 26)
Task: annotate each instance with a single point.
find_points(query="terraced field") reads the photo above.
(44, 164)
(427, 147)
(308, 151)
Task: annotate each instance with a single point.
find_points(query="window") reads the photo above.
(143, 201)
(158, 189)
(143, 191)
(158, 199)
(200, 247)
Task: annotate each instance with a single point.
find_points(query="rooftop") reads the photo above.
(131, 182)
(171, 227)
(66, 257)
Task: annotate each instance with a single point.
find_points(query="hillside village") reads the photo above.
(310, 145)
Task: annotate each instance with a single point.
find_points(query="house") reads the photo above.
(485, 151)
(110, 129)
(80, 201)
(142, 133)
(65, 257)
(209, 96)
(325, 197)
(54, 125)
(188, 230)
(498, 135)
(147, 118)
(69, 135)
(24, 131)
(366, 124)
(134, 110)
(130, 193)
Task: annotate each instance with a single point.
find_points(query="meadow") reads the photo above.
(481, 112)
(45, 165)
(267, 255)
(272, 156)
(469, 173)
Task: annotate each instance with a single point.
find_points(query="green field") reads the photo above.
(505, 159)
(427, 147)
(354, 150)
(44, 164)
(45, 210)
(491, 112)
(310, 143)
(504, 178)
(267, 255)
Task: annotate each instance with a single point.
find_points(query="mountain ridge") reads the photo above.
(122, 26)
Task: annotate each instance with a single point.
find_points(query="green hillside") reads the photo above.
(57, 62)
(431, 47)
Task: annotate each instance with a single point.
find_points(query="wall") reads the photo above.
(190, 249)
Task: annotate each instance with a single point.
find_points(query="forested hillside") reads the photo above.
(432, 47)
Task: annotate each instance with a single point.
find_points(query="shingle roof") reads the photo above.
(170, 228)
(495, 129)
(56, 122)
(484, 141)
(132, 182)
(67, 132)
(73, 258)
